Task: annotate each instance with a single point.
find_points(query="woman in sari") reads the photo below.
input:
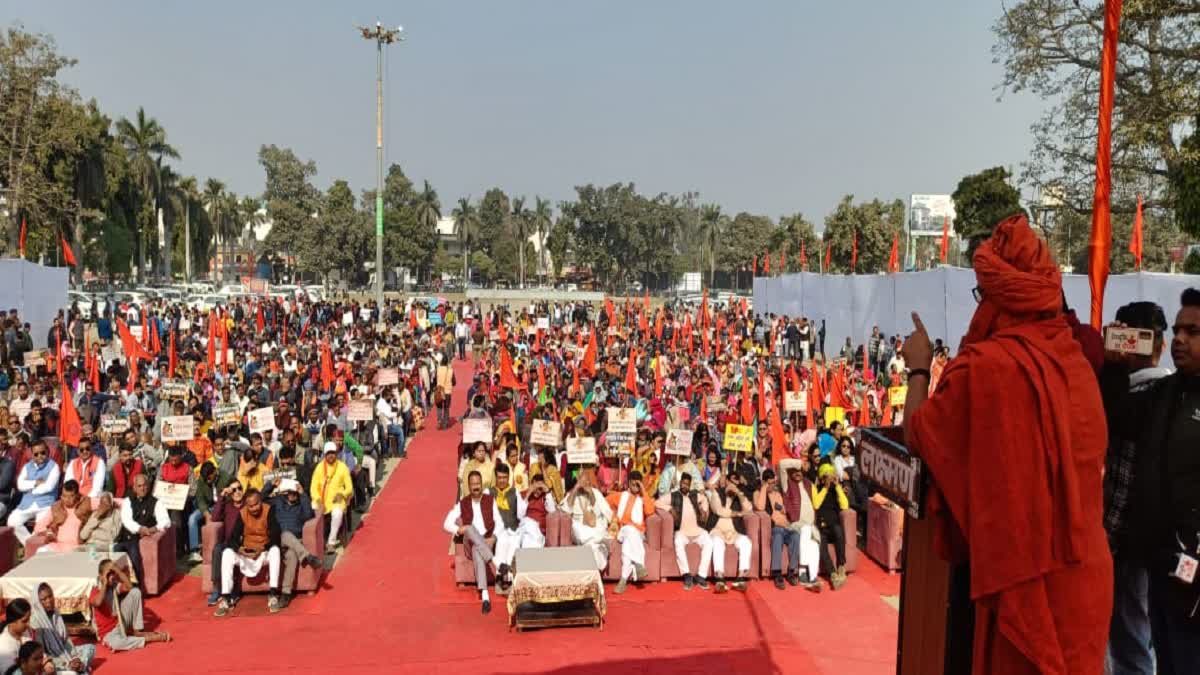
(50, 631)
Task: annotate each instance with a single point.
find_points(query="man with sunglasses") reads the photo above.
(38, 484)
(226, 512)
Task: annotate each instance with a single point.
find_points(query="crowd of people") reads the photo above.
(687, 376)
(254, 418)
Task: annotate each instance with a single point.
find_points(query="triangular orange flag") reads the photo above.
(70, 430)
(631, 381)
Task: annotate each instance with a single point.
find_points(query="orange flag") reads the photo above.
(326, 367)
(171, 357)
(854, 251)
(68, 254)
(658, 377)
(631, 380)
(1135, 238)
(70, 430)
(762, 395)
(703, 409)
(778, 436)
(803, 257)
(575, 387)
(828, 257)
(894, 258)
(211, 361)
(1100, 243)
(541, 378)
(747, 409)
(766, 264)
(588, 364)
(21, 242)
(754, 265)
(944, 251)
(155, 345)
(508, 378)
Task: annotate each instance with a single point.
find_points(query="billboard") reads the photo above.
(926, 213)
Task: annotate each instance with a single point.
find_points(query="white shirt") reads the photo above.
(841, 464)
(161, 520)
(25, 483)
(450, 524)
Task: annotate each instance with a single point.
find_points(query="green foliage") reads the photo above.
(291, 200)
(874, 223)
(1185, 182)
(981, 201)
(745, 239)
(493, 219)
(482, 265)
(793, 235)
(1191, 265)
(559, 241)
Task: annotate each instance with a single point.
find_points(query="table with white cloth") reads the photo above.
(556, 586)
(72, 576)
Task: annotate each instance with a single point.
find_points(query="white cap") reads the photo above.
(289, 485)
(330, 446)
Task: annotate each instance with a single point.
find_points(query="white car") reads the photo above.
(206, 303)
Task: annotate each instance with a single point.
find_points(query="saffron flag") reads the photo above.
(70, 429)
(588, 365)
(631, 373)
(803, 257)
(854, 251)
(1135, 238)
(508, 379)
(21, 243)
(894, 258)
(766, 264)
(172, 359)
(754, 265)
(747, 410)
(944, 251)
(828, 257)
(1100, 244)
(68, 254)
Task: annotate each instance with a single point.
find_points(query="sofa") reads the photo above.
(307, 578)
(885, 533)
(670, 566)
(656, 524)
(849, 525)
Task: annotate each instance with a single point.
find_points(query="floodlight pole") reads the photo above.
(381, 36)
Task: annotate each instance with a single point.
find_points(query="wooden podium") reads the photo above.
(937, 619)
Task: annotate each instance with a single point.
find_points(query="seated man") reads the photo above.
(253, 543)
(829, 509)
(590, 515)
(141, 516)
(38, 483)
(291, 511)
(539, 503)
(117, 610)
(103, 525)
(120, 476)
(631, 508)
(792, 525)
(727, 507)
(689, 510)
(226, 512)
(61, 525)
(88, 470)
(474, 518)
(518, 531)
(331, 490)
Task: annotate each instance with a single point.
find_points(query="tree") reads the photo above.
(145, 143)
(542, 222)
(796, 234)
(872, 224)
(408, 241)
(29, 91)
(1185, 182)
(291, 199)
(520, 229)
(483, 266)
(428, 207)
(712, 225)
(559, 241)
(1192, 264)
(466, 221)
(749, 235)
(981, 201)
(493, 218)
(1052, 48)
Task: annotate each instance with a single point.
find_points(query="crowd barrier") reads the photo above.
(852, 304)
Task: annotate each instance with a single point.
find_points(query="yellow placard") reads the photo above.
(738, 437)
(835, 414)
(896, 395)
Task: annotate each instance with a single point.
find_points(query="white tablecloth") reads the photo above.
(71, 576)
(556, 574)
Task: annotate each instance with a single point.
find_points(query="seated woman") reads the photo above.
(60, 525)
(14, 632)
(50, 631)
(117, 611)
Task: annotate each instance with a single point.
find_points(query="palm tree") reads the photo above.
(428, 207)
(520, 220)
(186, 194)
(541, 224)
(710, 227)
(465, 220)
(214, 201)
(249, 216)
(145, 144)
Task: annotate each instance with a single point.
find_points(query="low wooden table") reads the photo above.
(71, 575)
(557, 586)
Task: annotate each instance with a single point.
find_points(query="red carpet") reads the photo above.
(391, 606)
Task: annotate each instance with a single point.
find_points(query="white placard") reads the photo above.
(261, 420)
(543, 323)
(622, 421)
(360, 411)
(171, 495)
(113, 424)
(387, 377)
(178, 428)
(679, 442)
(545, 432)
(581, 450)
(173, 390)
(795, 401)
(478, 430)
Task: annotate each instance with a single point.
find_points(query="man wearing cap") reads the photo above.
(331, 490)
(292, 512)
(87, 469)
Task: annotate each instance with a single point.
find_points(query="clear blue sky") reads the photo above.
(772, 106)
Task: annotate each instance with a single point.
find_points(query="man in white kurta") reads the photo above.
(590, 516)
